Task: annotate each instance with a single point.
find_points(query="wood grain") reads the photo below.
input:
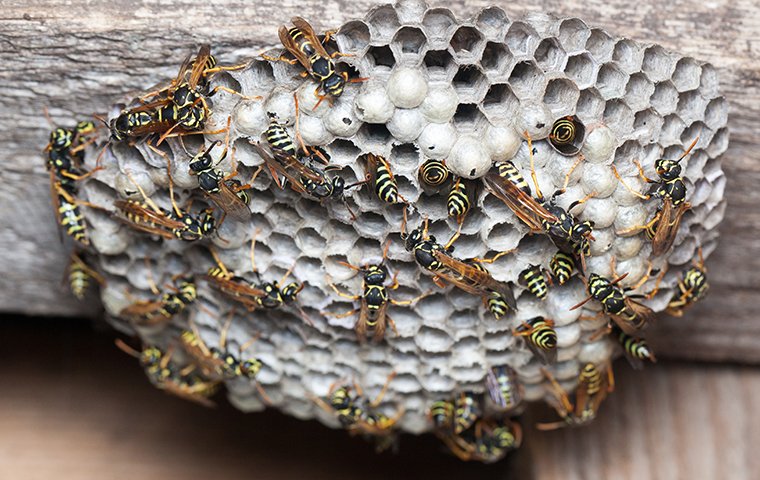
(82, 409)
(76, 59)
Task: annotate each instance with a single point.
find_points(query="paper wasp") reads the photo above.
(593, 388)
(164, 306)
(670, 188)
(630, 315)
(80, 275)
(167, 377)
(307, 49)
(469, 276)
(268, 295)
(540, 337)
(357, 413)
(381, 178)
(214, 182)
(219, 362)
(374, 299)
(691, 288)
(488, 442)
(169, 224)
(504, 389)
(541, 214)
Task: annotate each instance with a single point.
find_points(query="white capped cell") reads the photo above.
(407, 87)
(469, 158)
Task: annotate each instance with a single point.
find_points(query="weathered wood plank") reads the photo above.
(76, 59)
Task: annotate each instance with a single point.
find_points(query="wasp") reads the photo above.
(434, 172)
(489, 442)
(68, 141)
(374, 299)
(219, 362)
(68, 214)
(268, 295)
(169, 224)
(214, 182)
(467, 410)
(503, 388)
(302, 43)
(380, 176)
(166, 376)
(670, 188)
(164, 307)
(356, 412)
(636, 349)
(541, 214)
(562, 266)
(80, 275)
(540, 337)
(441, 413)
(630, 315)
(691, 288)
(458, 200)
(436, 258)
(534, 279)
(593, 388)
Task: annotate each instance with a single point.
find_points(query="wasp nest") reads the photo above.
(465, 91)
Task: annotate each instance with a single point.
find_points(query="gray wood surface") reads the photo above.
(76, 58)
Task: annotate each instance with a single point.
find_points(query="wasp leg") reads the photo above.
(343, 294)
(281, 58)
(628, 187)
(374, 403)
(220, 88)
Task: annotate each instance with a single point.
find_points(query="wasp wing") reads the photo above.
(667, 226)
(228, 201)
(292, 47)
(308, 32)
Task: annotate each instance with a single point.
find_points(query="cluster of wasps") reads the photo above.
(472, 425)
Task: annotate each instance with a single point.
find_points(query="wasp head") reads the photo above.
(667, 169)
(375, 274)
(250, 368)
(291, 291)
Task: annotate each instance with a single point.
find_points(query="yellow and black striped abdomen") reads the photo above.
(562, 266)
(591, 378)
(509, 172)
(279, 139)
(542, 334)
(79, 281)
(563, 131)
(72, 220)
(434, 172)
(533, 279)
(458, 202)
(695, 281)
(385, 185)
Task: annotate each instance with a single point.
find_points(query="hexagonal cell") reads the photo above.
(618, 116)
(353, 37)
(687, 75)
(373, 133)
(590, 105)
(573, 33)
(438, 23)
(628, 55)
(383, 22)
(691, 106)
(611, 81)
(439, 63)
(719, 143)
(638, 91)
(550, 55)
(496, 58)
(470, 83)
(665, 98)
(582, 69)
(647, 123)
(600, 45)
(500, 100)
(467, 42)
(696, 129)
(671, 131)
(381, 57)
(716, 113)
(658, 64)
(468, 117)
(522, 39)
(526, 79)
(561, 96)
(492, 22)
(409, 42)
(708, 81)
